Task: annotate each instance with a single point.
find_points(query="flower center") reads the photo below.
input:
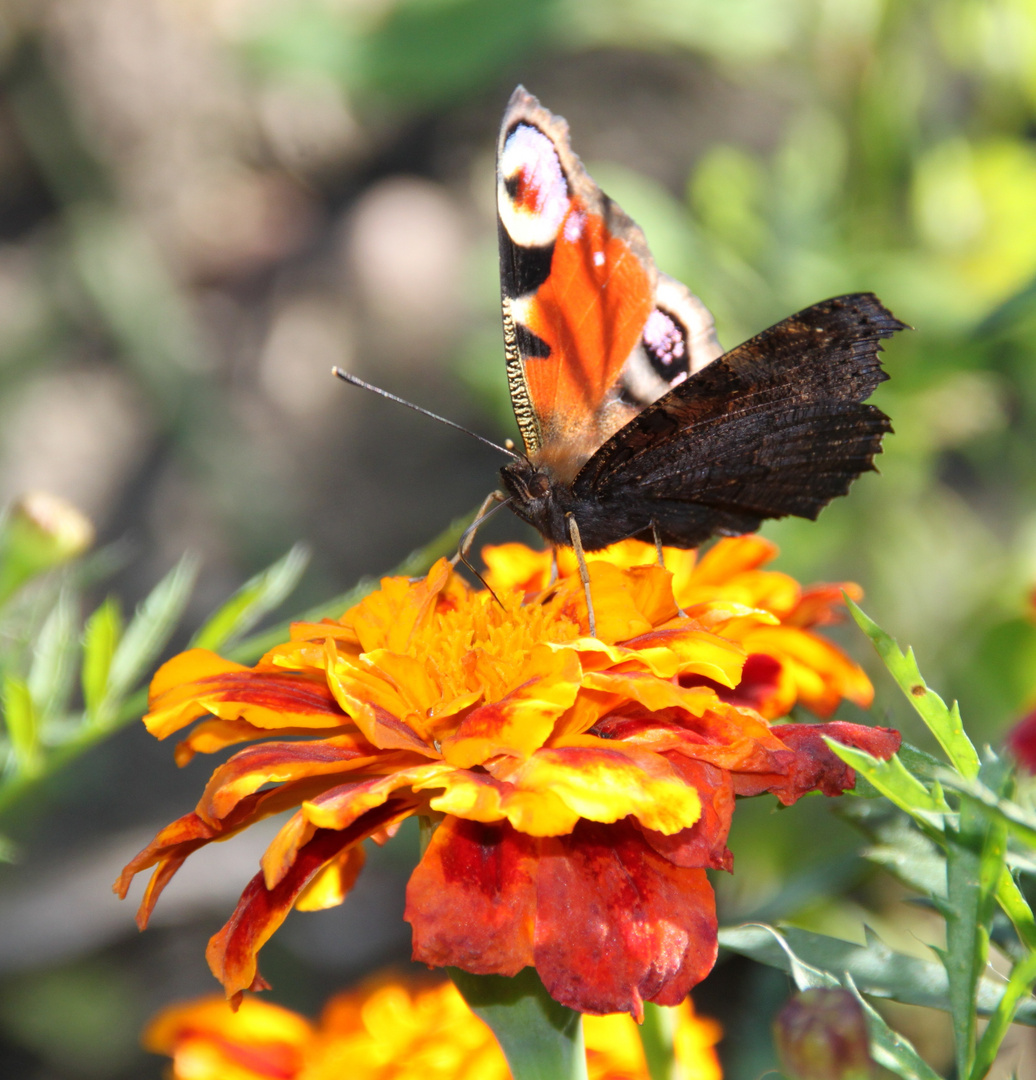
(480, 644)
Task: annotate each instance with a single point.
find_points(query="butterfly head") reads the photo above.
(537, 498)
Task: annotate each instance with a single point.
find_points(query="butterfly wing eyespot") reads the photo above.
(580, 291)
(678, 339)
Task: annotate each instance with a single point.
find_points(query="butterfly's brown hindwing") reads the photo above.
(777, 426)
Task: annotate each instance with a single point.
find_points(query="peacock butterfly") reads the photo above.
(634, 421)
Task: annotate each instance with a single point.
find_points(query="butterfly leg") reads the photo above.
(584, 574)
(661, 562)
(658, 545)
(486, 510)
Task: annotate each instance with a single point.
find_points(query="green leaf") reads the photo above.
(256, 598)
(902, 849)
(897, 784)
(1020, 822)
(656, 1038)
(22, 722)
(1023, 975)
(53, 660)
(1017, 909)
(889, 1049)
(943, 722)
(974, 864)
(875, 968)
(100, 639)
(967, 942)
(149, 630)
(541, 1039)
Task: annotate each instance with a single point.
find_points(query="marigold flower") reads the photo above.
(580, 785)
(389, 1030)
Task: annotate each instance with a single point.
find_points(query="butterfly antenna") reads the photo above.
(346, 377)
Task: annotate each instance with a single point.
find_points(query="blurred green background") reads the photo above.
(204, 204)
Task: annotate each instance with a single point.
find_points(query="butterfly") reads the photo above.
(634, 421)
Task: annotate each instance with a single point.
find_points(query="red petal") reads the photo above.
(816, 768)
(617, 924)
(472, 898)
(705, 842)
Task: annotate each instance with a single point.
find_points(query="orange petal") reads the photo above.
(815, 606)
(265, 700)
(209, 1040)
(476, 796)
(653, 693)
(516, 567)
(333, 883)
(471, 900)
(232, 953)
(377, 706)
(697, 652)
(388, 618)
(733, 555)
(821, 672)
(618, 609)
(601, 784)
(522, 719)
(211, 736)
(278, 763)
(340, 807)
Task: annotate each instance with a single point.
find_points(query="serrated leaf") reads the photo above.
(53, 660)
(917, 863)
(966, 944)
(897, 845)
(100, 638)
(257, 597)
(22, 723)
(920, 763)
(889, 1049)
(896, 783)
(1019, 821)
(876, 969)
(150, 629)
(1019, 985)
(943, 721)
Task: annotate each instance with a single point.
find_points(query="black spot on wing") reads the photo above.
(522, 269)
(530, 344)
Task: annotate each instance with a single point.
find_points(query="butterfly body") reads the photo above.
(634, 422)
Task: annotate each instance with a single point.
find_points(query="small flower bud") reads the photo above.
(41, 531)
(822, 1035)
